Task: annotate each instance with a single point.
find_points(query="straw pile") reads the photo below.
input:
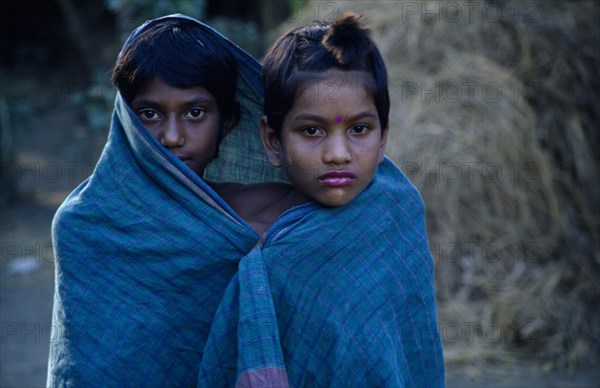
(494, 115)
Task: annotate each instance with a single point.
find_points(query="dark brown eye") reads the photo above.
(359, 129)
(312, 131)
(148, 114)
(196, 113)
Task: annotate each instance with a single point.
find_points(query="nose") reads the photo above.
(337, 150)
(173, 135)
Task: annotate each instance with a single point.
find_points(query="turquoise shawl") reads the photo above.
(159, 282)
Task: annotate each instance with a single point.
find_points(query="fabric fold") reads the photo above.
(140, 271)
(246, 313)
(350, 291)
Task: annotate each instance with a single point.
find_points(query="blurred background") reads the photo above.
(495, 112)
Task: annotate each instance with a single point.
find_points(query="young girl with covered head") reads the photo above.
(339, 292)
(182, 86)
(145, 247)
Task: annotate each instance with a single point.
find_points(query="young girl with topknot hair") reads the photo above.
(339, 290)
(345, 259)
(326, 109)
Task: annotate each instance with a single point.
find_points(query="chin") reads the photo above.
(334, 202)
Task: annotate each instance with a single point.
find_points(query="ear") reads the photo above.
(271, 142)
(381, 151)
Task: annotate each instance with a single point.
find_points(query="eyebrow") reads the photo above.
(194, 101)
(313, 117)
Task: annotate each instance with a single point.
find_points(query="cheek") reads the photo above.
(372, 152)
(293, 169)
(153, 129)
(302, 158)
(298, 167)
(207, 134)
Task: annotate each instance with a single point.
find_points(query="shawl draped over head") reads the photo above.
(160, 283)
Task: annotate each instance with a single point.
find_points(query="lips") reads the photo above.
(337, 178)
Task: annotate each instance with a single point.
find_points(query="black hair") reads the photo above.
(183, 55)
(308, 51)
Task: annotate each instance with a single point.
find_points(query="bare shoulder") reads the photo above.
(259, 204)
(268, 192)
(250, 199)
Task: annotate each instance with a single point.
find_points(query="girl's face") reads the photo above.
(331, 140)
(185, 121)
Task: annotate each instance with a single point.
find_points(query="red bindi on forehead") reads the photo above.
(338, 119)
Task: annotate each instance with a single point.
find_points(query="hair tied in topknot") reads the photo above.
(348, 40)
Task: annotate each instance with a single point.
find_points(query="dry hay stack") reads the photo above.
(494, 116)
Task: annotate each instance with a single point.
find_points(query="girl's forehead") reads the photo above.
(324, 85)
(341, 77)
(331, 102)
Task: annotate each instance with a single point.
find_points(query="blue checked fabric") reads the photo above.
(159, 283)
